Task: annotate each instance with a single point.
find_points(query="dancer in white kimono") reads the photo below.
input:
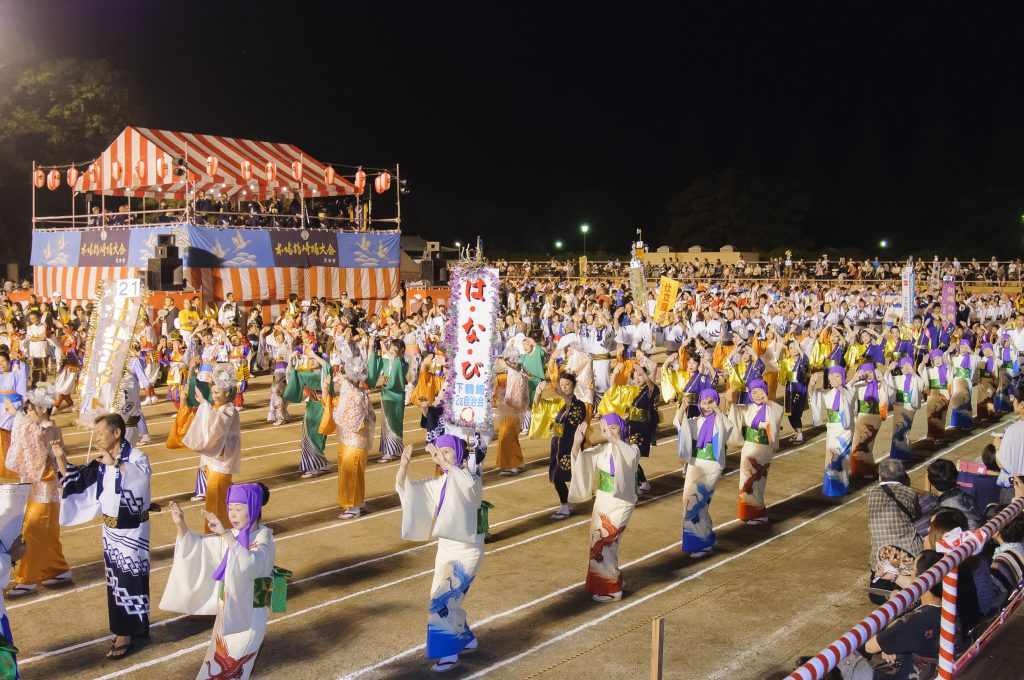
(229, 573)
(835, 407)
(451, 504)
(702, 447)
(610, 468)
(116, 486)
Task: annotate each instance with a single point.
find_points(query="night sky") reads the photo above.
(521, 121)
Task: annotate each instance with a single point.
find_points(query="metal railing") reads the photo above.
(234, 220)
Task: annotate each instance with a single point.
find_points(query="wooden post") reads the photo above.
(657, 647)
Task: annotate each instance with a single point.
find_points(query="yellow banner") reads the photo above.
(668, 291)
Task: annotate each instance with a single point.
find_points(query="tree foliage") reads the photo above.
(59, 111)
(739, 208)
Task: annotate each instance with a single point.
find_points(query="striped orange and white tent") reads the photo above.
(145, 162)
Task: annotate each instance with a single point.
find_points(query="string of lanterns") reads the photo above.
(52, 179)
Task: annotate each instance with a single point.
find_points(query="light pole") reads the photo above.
(584, 228)
(558, 245)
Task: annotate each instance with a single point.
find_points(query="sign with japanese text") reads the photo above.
(104, 248)
(948, 302)
(668, 291)
(118, 308)
(908, 299)
(304, 248)
(470, 336)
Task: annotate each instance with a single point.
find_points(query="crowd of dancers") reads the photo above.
(577, 368)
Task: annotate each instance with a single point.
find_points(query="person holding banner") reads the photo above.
(447, 507)
(13, 390)
(394, 371)
(759, 421)
(215, 434)
(116, 486)
(36, 446)
(908, 390)
(702, 448)
(606, 472)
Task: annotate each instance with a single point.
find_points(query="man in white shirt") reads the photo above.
(228, 311)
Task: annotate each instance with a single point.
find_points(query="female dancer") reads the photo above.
(702, 445)
(759, 422)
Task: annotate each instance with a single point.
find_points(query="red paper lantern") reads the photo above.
(140, 169)
(360, 181)
(39, 179)
(297, 171)
(72, 177)
(211, 165)
(271, 171)
(53, 180)
(115, 171)
(246, 170)
(328, 175)
(161, 167)
(383, 182)
(94, 174)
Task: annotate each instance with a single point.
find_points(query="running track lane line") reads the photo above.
(404, 551)
(417, 575)
(672, 546)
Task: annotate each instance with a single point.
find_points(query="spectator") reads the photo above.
(892, 510)
(911, 642)
(1008, 563)
(1010, 444)
(942, 482)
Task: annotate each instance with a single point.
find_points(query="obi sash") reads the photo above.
(834, 416)
(869, 407)
(755, 435)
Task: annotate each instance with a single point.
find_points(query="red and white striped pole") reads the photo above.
(947, 628)
(829, 657)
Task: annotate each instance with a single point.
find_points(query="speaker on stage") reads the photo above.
(434, 271)
(165, 273)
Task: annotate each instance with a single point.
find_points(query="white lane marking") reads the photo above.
(672, 546)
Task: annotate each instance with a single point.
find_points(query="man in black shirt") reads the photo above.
(911, 641)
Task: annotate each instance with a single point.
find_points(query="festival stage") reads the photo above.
(257, 265)
(285, 223)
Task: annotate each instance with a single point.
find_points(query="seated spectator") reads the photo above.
(975, 595)
(910, 643)
(942, 482)
(892, 510)
(1008, 563)
(982, 486)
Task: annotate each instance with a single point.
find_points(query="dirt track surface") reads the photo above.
(357, 603)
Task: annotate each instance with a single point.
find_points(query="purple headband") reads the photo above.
(906, 361)
(252, 496)
(868, 366)
(616, 420)
(838, 370)
(447, 441)
(708, 393)
(758, 384)
(935, 354)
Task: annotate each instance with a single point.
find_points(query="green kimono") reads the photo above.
(311, 459)
(392, 400)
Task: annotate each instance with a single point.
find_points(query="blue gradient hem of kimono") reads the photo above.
(697, 532)
(901, 448)
(448, 634)
(833, 484)
(961, 417)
